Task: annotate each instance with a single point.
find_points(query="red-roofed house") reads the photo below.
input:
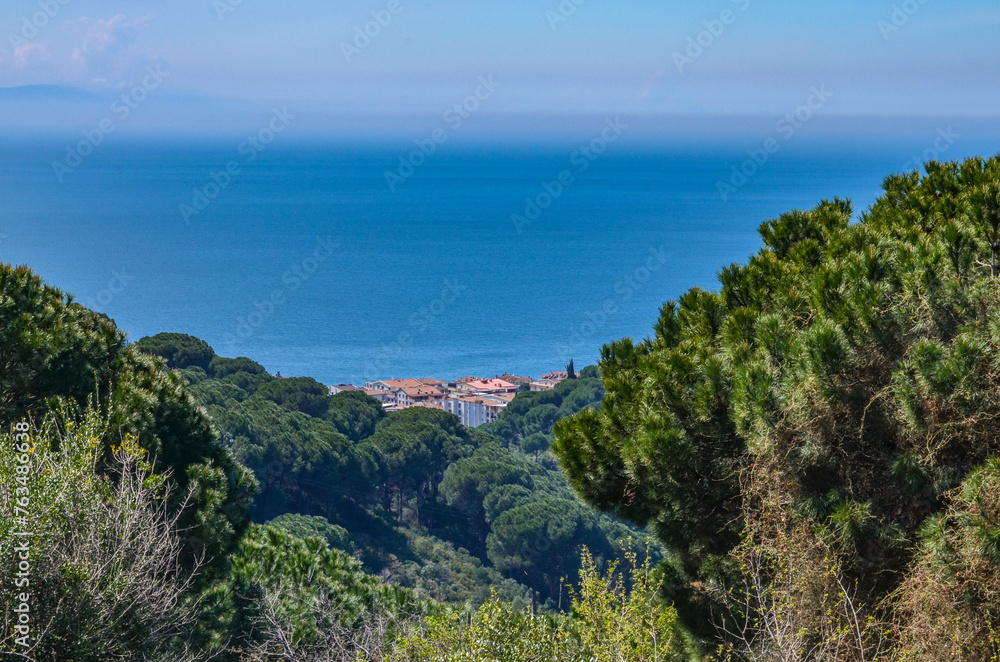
(433, 382)
(391, 384)
(416, 394)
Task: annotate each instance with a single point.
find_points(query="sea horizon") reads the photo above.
(335, 261)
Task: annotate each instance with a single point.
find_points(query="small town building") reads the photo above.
(473, 411)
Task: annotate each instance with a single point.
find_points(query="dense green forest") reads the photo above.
(451, 512)
(275, 512)
(815, 448)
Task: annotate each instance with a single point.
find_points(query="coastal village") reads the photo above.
(474, 400)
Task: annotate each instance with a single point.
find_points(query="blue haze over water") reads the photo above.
(526, 302)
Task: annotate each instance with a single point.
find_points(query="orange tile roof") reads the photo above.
(514, 378)
(469, 398)
(557, 375)
(480, 400)
(423, 391)
(491, 385)
(401, 383)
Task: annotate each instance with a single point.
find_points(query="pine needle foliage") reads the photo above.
(829, 405)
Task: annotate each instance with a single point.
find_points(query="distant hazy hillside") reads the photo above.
(47, 93)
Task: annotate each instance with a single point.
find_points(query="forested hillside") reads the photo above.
(138, 472)
(449, 511)
(815, 447)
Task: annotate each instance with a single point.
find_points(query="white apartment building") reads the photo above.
(473, 411)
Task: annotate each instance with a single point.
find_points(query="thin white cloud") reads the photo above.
(104, 49)
(30, 55)
(88, 52)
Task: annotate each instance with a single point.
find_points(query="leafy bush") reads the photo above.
(615, 617)
(101, 566)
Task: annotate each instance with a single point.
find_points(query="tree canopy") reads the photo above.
(53, 348)
(819, 411)
(178, 350)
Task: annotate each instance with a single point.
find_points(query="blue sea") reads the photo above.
(305, 260)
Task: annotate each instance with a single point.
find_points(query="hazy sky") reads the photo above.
(877, 57)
